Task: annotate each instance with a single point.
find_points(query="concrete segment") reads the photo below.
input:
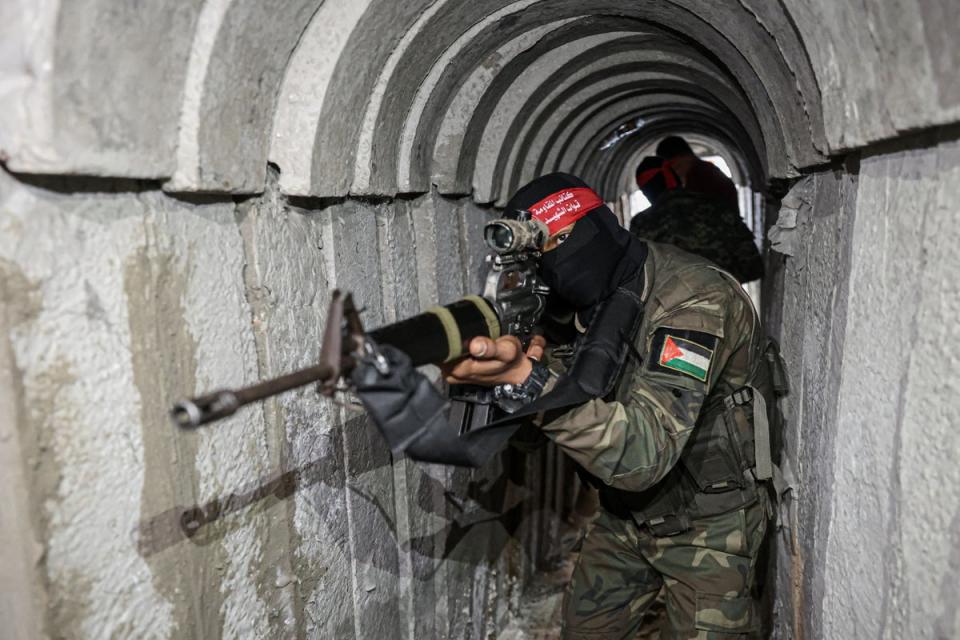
(893, 494)
(815, 286)
(94, 87)
(239, 82)
(305, 564)
(882, 68)
(303, 91)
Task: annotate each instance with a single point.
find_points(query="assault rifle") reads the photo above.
(513, 300)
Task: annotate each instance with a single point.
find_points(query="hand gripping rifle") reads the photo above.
(513, 300)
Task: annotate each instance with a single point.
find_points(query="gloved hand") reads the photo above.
(402, 402)
(412, 414)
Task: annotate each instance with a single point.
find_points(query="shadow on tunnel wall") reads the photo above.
(496, 505)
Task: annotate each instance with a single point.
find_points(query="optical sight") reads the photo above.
(513, 236)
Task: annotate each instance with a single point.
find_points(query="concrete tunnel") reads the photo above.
(184, 183)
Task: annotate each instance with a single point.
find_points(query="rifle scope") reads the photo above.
(514, 236)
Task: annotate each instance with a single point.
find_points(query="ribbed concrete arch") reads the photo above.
(240, 50)
(445, 49)
(437, 116)
(654, 78)
(664, 119)
(455, 154)
(740, 169)
(632, 101)
(374, 97)
(657, 78)
(449, 41)
(306, 85)
(690, 120)
(672, 117)
(621, 61)
(372, 43)
(528, 94)
(379, 97)
(467, 161)
(604, 170)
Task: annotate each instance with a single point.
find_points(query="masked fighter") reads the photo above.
(664, 406)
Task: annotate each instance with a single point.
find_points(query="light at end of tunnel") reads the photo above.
(719, 163)
(638, 202)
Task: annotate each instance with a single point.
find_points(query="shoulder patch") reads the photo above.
(683, 352)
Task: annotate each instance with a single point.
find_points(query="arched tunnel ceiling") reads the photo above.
(378, 97)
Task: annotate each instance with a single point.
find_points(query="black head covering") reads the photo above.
(656, 178)
(598, 256)
(673, 146)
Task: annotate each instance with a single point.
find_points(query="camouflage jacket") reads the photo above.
(700, 341)
(702, 226)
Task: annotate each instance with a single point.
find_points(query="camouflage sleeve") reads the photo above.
(632, 443)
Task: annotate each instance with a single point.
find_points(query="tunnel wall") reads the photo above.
(289, 519)
(874, 370)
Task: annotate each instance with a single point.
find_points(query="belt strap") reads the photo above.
(761, 437)
(762, 455)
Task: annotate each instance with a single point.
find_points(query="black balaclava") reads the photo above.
(598, 256)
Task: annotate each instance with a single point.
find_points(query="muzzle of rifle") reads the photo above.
(208, 408)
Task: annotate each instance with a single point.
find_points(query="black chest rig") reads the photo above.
(601, 353)
(729, 461)
(730, 455)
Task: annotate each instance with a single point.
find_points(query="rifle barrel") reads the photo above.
(225, 402)
(437, 335)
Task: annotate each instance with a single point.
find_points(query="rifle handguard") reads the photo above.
(441, 334)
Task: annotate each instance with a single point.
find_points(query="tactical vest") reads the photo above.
(733, 449)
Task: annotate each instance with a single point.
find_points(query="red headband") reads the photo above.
(646, 176)
(565, 207)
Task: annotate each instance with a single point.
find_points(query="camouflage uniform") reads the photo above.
(674, 455)
(702, 226)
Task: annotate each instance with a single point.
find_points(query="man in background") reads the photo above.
(696, 175)
(697, 223)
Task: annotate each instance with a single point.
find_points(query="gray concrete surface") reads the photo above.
(181, 184)
(290, 518)
(874, 369)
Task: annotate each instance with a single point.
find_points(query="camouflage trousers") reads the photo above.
(693, 585)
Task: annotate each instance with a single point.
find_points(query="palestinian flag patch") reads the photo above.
(683, 352)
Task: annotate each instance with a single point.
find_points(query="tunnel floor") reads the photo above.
(540, 606)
